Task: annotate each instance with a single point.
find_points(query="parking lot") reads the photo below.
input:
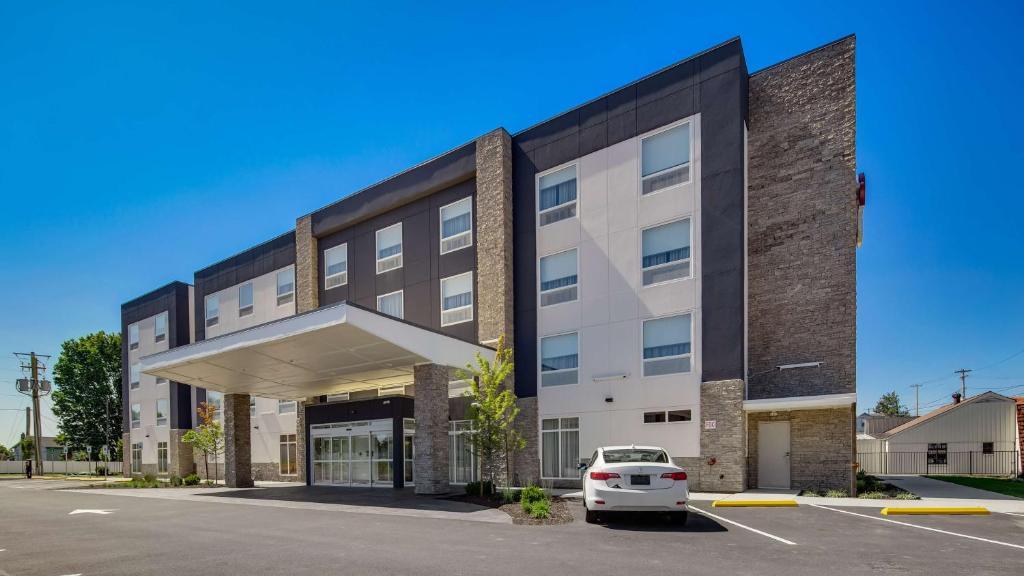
(44, 531)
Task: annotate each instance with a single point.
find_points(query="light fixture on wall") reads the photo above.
(800, 365)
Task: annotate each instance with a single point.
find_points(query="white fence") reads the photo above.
(58, 467)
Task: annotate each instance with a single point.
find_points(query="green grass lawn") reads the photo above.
(1000, 485)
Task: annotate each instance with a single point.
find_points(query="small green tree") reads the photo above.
(5, 453)
(207, 437)
(27, 447)
(889, 405)
(493, 411)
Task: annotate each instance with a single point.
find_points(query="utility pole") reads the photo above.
(34, 385)
(917, 399)
(963, 382)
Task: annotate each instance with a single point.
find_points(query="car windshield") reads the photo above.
(635, 455)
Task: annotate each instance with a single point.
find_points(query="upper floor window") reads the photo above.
(136, 415)
(665, 159)
(667, 345)
(336, 266)
(286, 406)
(245, 306)
(285, 286)
(666, 252)
(389, 248)
(212, 310)
(557, 195)
(558, 275)
(160, 327)
(161, 412)
(457, 225)
(133, 337)
(559, 359)
(392, 304)
(457, 299)
(133, 376)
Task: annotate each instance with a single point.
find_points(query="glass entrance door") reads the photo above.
(360, 458)
(353, 453)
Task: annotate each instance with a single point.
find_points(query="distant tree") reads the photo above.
(493, 412)
(27, 446)
(5, 453)
(87, 396)
(889, 405)
(207, 437)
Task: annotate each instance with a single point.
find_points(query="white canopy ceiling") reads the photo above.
(337, 349)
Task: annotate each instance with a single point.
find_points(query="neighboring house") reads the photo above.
(52, 450)
(1020, 430)
(674, 263)
(978, 435)
(878, 424)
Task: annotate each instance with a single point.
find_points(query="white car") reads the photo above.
(634, 479)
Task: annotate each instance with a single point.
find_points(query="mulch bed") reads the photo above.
(560, 513)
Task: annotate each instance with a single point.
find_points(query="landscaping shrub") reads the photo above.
(149, 478)
(905, 496)
(101, 470)
(538, 509)
(191, 480)
(175, 480)
(474, 488)
(533, 494)
(509, 496)
(873, 495)
(835, 493)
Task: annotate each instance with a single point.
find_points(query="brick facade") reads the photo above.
(802, 224)
(821, 446)
(722, 464)
(180, 454)
(306, 261)
(430, 461)
(237, 441)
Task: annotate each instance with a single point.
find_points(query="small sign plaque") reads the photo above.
(710, 424)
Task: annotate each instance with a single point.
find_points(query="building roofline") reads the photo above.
(940, 411)
(242, 252)
(154, 293)
(805, 53)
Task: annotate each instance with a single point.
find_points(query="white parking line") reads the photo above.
(968, 536)
(745, 527)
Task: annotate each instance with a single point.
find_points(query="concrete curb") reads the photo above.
(754, 504)
(922, 511)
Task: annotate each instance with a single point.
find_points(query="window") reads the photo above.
(160, 328)
(136, 457)
(459, 388)
(665, 159)
(457, 299)
(988, 447)
(557, 196)
(285, 286)
(286, 406)
(559, 360)
(161, 412)
(161, 457)
(245, 299)
(392, 304)
(667, 345)
(560, 452)
(654, 417)
(289, 466)
(457, 225)
(336, 266)
(627, 455)
(136, 415)
(133, 337)
(134, 373)
(666, 252)
(160, 380)
(462, 465)
(389, 248)
(679, 416)
(558, 275)
(212, 310)
(216, 399)
(937, 453)
(340, 397)
(661, 417)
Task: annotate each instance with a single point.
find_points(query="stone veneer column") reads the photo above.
(430, 462)
(307, 295)
(126, 454)
(494, 236)
(300, 436)
(182, 459)
(723, 462)
(237, 441)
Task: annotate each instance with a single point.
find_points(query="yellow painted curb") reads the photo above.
(923, 511)
(754, 503)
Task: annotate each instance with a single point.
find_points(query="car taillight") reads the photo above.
(603, 475)
(674, 475)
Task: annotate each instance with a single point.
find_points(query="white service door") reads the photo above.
(773, 455)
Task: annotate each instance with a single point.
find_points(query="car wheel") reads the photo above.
(678, 518)
(592, 517)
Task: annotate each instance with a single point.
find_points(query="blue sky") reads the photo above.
(127, 135)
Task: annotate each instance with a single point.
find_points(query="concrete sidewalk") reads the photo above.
(932, 489)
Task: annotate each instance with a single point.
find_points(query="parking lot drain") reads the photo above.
(754, 504)
(975, 511)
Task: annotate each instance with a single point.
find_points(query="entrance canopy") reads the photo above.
(341, 348)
